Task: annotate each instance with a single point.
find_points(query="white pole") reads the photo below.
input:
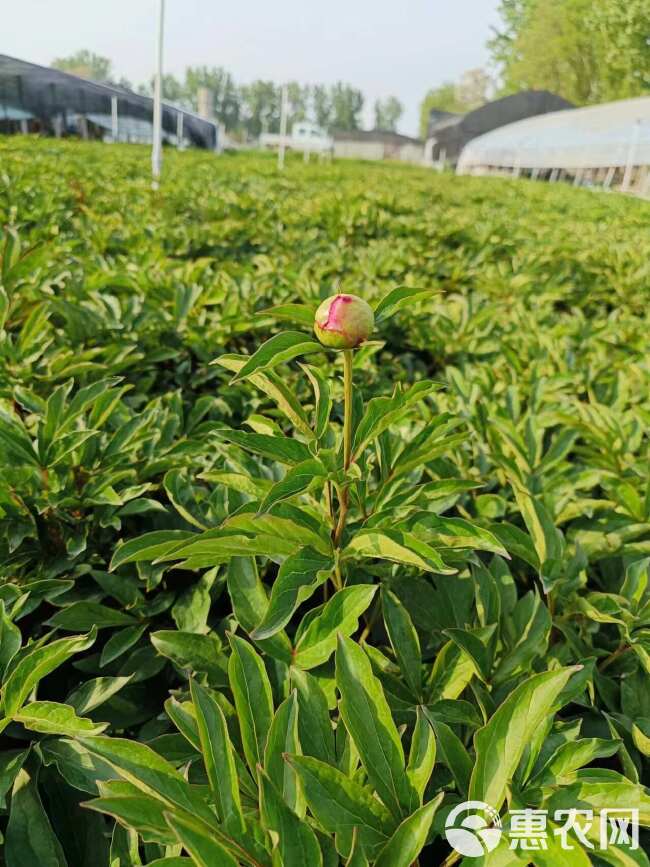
(283, 125)
(179, 129)
(156, 148)
(114, 121)
(631, 155)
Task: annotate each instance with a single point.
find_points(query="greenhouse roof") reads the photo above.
(45, 93)
(609, 135)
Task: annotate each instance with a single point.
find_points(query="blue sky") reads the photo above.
(385, 48)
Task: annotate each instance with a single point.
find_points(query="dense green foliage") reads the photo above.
(593, 51)
(213, 630)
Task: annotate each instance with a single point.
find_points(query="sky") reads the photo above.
(384, 47)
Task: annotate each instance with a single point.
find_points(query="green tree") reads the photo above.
(443, 98)
(624, 28)
(261, 107)
(347, 104)
(225, 93)
(322, 105)
(387, 113)
(592, 51)
(568, 65)
(298, 95)
(85, 64)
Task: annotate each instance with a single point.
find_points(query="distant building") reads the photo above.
(42, 100)
(304, 136)
(377, 144)
(448, 133)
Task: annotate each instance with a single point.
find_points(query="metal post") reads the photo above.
(283, 125)
(115, 128)
(179, 129)
(554, 176)
(24, 128)
(535, 174)
(631, 155)
(609, 177)
(156, 147)
(577, 179)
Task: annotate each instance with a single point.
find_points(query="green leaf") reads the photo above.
(250, 603)
(251, 689)
(398, 298)
(143, 768)
(282, 449)
(10, 639)
(473, 643)
(218, 757)
(422, 755)
(11, 761)
(296, 480)
(51, 718)
(84, 615)
(134, 808)
(316, 734)
(404, 640)
(501, 743)
(281, 347)
(323, 400)
(283, 738)
(452, 752)
(298, 578)
(368, 719)
(302, 313)
(149, 547)
(204, 848)
(124, 848)
(339, 615)
(29, 839)
(340, 804)
(410, 838)
(297, 843)
(36, 665)
(193, 652)
(382, 412)
(120, 642)
(397, 547)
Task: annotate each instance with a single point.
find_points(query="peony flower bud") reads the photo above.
(343, 321)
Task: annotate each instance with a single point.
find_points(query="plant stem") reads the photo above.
(347, 407)
(347, 443)
(623, 648)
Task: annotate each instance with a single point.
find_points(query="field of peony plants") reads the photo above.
(271, 597)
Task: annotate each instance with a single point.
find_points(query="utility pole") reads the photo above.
(156, 146)
(284, 109)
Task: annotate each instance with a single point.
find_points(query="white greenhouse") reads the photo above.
(606, 145)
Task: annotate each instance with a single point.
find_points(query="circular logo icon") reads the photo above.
(473, 829)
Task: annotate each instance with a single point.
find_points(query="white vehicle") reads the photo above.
(304, 136)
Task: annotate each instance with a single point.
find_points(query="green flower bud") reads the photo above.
(343, 321)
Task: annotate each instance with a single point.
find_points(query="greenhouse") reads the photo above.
(43, 100)
(449, 133)
(601, 144)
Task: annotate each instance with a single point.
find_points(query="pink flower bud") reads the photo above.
(343, 321)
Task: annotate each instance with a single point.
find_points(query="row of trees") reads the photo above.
(250, 109)
(583, 50)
